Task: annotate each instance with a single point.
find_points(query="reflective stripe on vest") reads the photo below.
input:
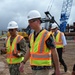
(40, 54)
(11, 59)
(58, 40)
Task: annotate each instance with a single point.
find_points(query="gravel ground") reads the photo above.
(68, 55)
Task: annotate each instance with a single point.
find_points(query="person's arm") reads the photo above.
(50, 42)
(26, 57)
(51, 45)
(64, 41)
(56, 60)
(3, 48)
(21, 46)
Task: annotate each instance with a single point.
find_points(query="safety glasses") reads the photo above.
(33, 20)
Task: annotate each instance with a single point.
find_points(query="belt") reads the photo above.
(41, 67)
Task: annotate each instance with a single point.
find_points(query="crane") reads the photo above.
(49, 19)
(65, 13)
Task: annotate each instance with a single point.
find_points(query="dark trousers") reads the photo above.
(14, 69)
(59, 50)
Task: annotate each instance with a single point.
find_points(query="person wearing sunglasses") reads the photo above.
(40, 48)
(15, 49)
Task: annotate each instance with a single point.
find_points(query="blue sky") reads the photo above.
(17, 10)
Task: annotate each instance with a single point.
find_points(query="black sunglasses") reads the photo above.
(10, 30)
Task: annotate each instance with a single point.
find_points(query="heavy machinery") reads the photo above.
(49, 18)
(65, 13)
(25, 33)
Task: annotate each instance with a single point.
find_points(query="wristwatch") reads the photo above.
(23, 62)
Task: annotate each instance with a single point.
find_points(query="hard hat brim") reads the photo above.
(11, 27)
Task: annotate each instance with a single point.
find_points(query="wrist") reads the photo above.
(23, 62)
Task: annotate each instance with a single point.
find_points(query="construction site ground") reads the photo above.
(68, 56)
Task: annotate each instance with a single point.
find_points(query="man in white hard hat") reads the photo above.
(41, 47)
(54, 25)
(60, 42)
(15, 49)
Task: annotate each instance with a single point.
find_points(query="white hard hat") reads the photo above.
(54, 25)
(12, 25)
(33, 14)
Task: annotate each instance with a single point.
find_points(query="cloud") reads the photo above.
(18, 9)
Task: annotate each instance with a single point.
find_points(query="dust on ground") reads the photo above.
(68, 56)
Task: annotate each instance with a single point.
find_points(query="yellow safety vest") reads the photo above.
(40, 54)
(58, 40)
(11, 59)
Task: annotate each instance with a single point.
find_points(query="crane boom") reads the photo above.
(65, 13)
